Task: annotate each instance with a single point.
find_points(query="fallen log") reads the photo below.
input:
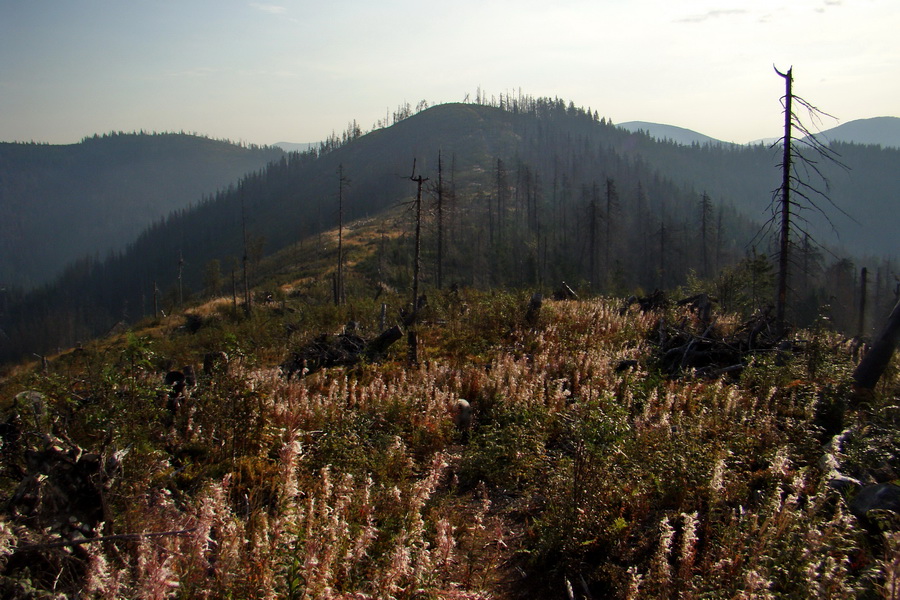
(872, 366)
(379, 346)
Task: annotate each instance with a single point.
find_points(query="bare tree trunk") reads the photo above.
(180, 284)
(861, 327)
(611, 200)
(245, 258)
(784, 241)
(233, 290)
(335, 294)
(642, 220)
(663, 250)
(417, 263)
(502, 190)
(338, 284)
(705, 213)
(339, 296)
(719, 248)
(440, 224)
(247, 297)
(592, 207)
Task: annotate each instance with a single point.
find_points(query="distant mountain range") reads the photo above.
(92, 198)
(880, 131)
(661, 132)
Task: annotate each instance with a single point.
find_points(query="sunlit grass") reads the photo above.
(354, 483)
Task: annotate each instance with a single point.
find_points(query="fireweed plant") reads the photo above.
(585, 472)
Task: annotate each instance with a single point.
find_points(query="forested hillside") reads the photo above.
(882, 131)
(861, 187)
(60, 203)
(532, 193)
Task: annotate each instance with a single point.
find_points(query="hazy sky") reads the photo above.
(296, 70)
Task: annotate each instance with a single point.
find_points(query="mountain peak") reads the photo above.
(880, 131)
(679, 135)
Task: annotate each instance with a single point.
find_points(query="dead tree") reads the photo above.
(339, 296)
(705, 217)
(180, 280)
(502, 197)
(417, 263)
(663, 251)
(785, 230)
(863, 281)
(440, 224)
(233, 286)
(593, 223)
(612, 204)
(246, 256)
(796, 192)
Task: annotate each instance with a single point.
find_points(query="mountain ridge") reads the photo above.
(527, 184)
(673, 133)
(880, 131)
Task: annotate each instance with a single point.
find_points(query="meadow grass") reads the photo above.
(352, 482)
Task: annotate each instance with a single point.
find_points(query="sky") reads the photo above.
(298, 70)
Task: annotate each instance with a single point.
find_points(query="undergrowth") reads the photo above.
(577, 478)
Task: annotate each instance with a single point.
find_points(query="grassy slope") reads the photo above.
(354, 480)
